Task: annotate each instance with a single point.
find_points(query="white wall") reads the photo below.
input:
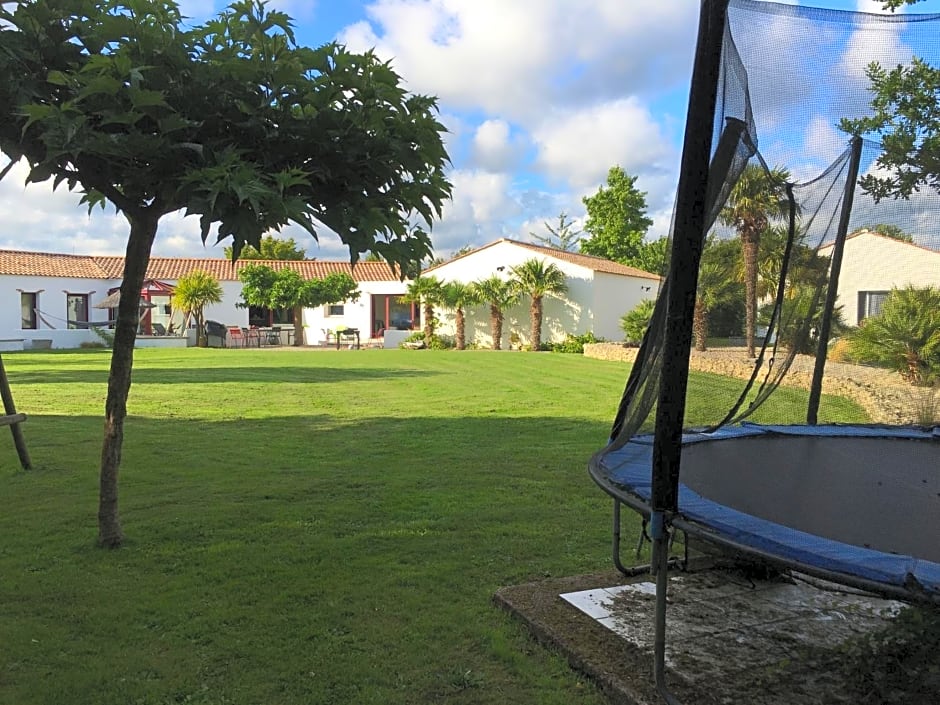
(356, 314)
(876, 263)
(572, 314)
(53, 324)
(615, 295)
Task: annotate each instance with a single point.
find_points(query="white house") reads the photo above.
(52, 297)
(599, 292)
(873, 264)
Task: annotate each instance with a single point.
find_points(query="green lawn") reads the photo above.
(303, 527)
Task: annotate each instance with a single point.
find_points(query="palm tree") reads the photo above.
(535, 278)
(427, 292)
(716, 286)
(195, 291)
(905, 335)
(457, 295)
(758, 197)
(499, 294)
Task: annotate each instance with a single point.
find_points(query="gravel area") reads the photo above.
(883, 394)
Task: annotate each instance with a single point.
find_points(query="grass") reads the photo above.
(303, 527)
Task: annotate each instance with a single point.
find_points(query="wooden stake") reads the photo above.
(13, 419)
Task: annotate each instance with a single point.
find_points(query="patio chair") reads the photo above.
(235, 337)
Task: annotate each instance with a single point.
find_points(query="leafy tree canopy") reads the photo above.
(285, 288)
(906, 117)
(231, 121)
(889, 230)
(275, 248)
(617, 219)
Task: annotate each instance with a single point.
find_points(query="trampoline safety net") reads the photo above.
(806, 98)
(816, 295)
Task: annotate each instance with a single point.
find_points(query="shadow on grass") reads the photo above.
(219, 375)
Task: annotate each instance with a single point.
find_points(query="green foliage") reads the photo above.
(635, 321)
(905, 336)
(801, 314)
(195, 291)
(560, 237)
(617, 219)
(575, 343)
(652, 256)
(458, 296)
(500, 294)
(274, 248)
(890, 230)
(435, 342)
(230, 120)
(428, 292)
(285, 288)
(905, 116)
(536, 279)
(758, 198)
(886, 665)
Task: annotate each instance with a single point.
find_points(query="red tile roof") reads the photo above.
(42, 264)
(597, 264)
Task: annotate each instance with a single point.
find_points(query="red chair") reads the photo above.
(235, 337)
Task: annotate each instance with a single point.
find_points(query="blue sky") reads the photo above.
(540, 97)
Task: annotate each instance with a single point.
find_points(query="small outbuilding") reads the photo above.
(599, 293)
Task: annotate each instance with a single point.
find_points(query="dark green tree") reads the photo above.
(560, 237)
(652, 256)
(758, 197)
(905, 115)
(285, 288)
(718, 285)
(427, 292)
(230, 121)
(905, 335)
(617, 219)
(273, 248)
(635, 321)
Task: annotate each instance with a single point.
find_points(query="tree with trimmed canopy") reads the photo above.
(230, 121)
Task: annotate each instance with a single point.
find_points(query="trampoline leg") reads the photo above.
(634, 570)
(660, 564)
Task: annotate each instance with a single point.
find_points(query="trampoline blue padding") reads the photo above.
(856, 504)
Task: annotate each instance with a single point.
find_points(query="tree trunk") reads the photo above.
(139, 244)
(535, 314)
(700, 325)
(750, 243)
(202, 340)
(461, 330)
(428, 323)
(298, 325)
(496, 321)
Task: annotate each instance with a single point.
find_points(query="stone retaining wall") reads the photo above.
(883, 394)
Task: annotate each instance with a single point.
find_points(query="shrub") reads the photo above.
(905, 335)
(575, 343)
(635, 322)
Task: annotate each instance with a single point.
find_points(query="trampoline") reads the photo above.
(858, 505)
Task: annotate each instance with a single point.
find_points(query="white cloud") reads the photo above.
(579, 147)
(513, 58)
(493, 146)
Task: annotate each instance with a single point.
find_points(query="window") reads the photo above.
(29, 302)
(263, 317)
(335, 310)
(76, 306)
(870, 303)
